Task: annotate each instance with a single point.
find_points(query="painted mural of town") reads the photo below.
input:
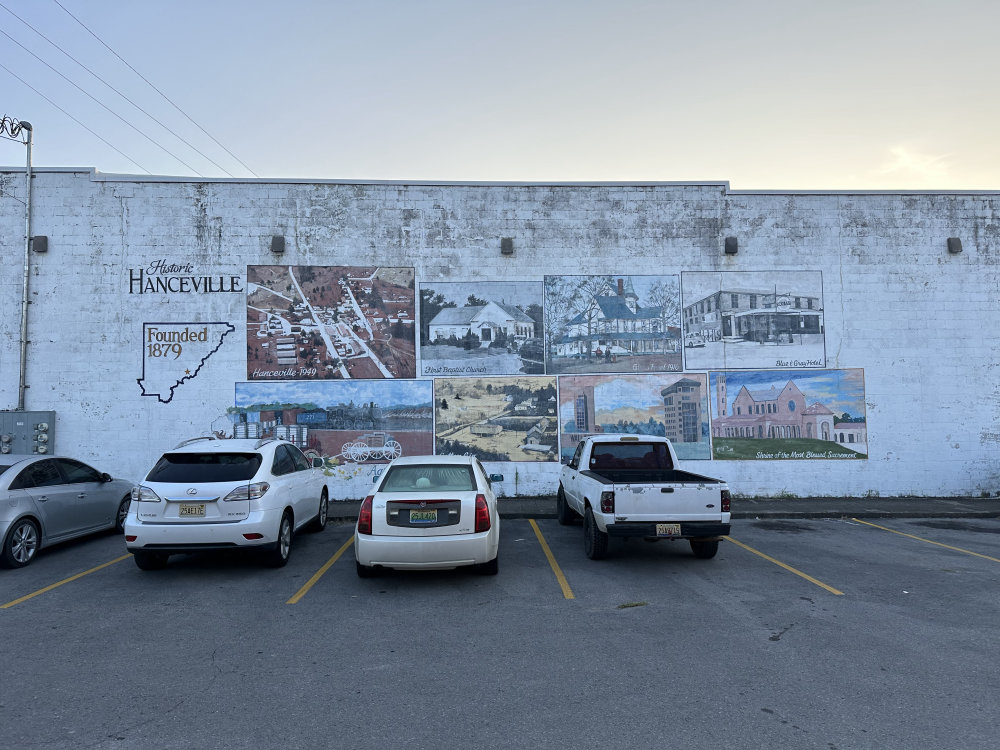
(753, 320)
(497, 419)
(330, 322)
(670, 405)
(612, 324)
(791, 414)
(497, 330)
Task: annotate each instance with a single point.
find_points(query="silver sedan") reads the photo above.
(50, 499)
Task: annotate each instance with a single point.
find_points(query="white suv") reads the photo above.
(211, 494)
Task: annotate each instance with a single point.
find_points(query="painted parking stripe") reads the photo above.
(789, 568)
(563, 583)
(320, 573)
(65, 580)
(929, 541)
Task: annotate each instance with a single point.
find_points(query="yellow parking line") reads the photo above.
(567, 591)
(65, 580)
(929, 541)
(319, 573)
(789, 568)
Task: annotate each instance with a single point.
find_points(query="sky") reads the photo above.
(765, 95)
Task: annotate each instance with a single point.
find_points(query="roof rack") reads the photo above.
(182, 443)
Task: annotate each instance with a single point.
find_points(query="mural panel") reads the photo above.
(672, 406)
(750, 320)
(496, 419)
(330, 323)
(790, 414)
(497, 330)
(612, 324)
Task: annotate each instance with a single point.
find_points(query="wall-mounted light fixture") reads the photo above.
(732, 246)
(954, 245)
(40, 244)
(277, 244)
(506, 245)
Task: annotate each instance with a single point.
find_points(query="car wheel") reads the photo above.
(490, 568)
(282, 550)
(595, 541)
(21, 544)
(564, 513)
(704, 550)
(319, 522)
(365, 571)
(150, 560)
(122, 514)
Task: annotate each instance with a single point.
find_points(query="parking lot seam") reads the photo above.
(25, 598)
(320, 573)
(789, 568)
(563, 583)
(929, 541)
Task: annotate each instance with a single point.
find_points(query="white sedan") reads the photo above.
(429, 512)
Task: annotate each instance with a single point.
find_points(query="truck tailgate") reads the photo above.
(668, 502)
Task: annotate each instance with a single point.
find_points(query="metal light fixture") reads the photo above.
(732, 246)
(506, 245)
(954, 245)
(277, 244)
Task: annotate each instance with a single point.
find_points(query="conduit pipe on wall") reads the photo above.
(22, 383)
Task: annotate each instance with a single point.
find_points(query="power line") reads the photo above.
(167, 98)
(123, 96)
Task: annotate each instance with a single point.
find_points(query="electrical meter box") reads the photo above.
(27, 431)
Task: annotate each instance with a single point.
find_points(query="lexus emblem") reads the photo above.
(192, 491)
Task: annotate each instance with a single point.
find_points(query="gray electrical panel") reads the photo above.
(27, 431)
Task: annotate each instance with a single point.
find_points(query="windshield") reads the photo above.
(205, 467)
(429, 477)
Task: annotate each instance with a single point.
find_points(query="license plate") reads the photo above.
(668, 529)
(423, 516)
(191, 509)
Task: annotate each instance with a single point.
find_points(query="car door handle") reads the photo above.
(666, 489)
(82, 495)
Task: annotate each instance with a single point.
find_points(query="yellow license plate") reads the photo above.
(423, 516)
(191, 509)
(668, 529)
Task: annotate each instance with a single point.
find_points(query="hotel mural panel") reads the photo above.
(753, 320)
(789, 414)
(615, 323)
(330, 323)
(669, 405)
(497, 419)
(491, 328)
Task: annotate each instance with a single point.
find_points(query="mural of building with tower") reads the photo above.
(682, 415)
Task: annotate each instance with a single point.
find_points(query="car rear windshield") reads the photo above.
(205, 467)
(429, 478)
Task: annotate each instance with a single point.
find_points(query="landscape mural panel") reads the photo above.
(668, 405)
(330, 323)
(789, 414)
(736, 320)
(612, 323)
(492, 328)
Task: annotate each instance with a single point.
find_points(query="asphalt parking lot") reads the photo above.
(803, 632)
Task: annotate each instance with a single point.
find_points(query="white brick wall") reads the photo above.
(924, 325)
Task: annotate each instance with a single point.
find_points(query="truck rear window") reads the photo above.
(630, 456)
(205, 467)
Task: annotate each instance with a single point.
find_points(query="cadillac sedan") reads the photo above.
(429, 512)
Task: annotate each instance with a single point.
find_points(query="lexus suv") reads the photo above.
(212, 494)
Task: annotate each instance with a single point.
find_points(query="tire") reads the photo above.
(595, 541)
(122, 514)
(20, 544)
(150, 560)
(277, 556)
(365, 571)
(319, 522)
(704, 550)
(565, 514)
(490, 568)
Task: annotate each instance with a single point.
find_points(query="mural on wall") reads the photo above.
(490, 328)
(330, 322)
(670, 405)
(346, 422)
(753, 320)
(788, 414)
(174, 353)
(497, 419)
(612, 324)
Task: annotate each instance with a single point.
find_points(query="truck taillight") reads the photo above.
(482, 514)
(607, 502)
(365, 516)
(726, 498)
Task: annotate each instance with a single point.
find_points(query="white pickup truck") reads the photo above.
(629, 486)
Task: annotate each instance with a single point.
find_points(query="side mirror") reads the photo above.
(105, 477)
(496, 477)
(318, 462)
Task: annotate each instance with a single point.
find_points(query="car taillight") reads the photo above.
(143, 494)
(607, 502)
(482, 514)
(365, 516)
(726, 499)
(248, 492)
